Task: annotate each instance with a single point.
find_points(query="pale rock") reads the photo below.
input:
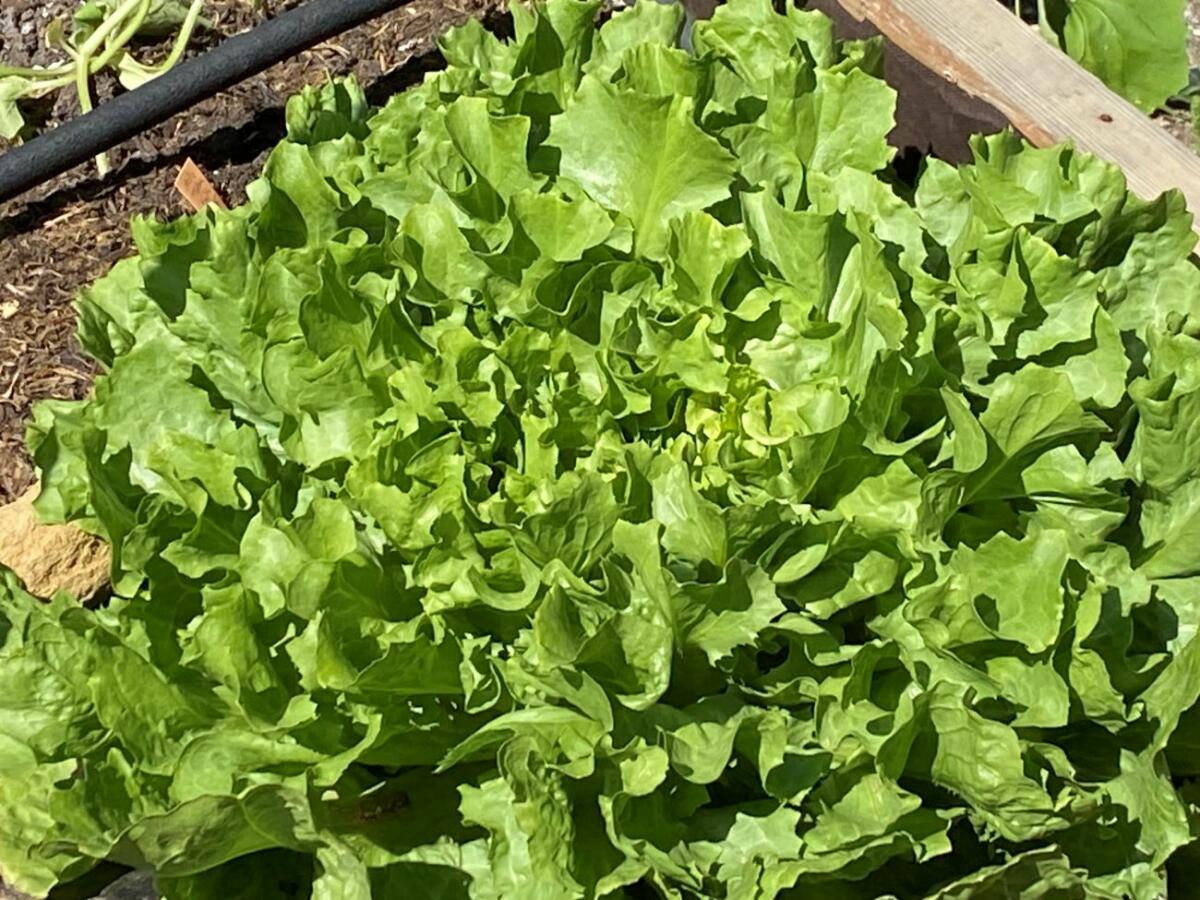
(51, 558)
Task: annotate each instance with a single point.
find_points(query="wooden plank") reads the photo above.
(990, 53)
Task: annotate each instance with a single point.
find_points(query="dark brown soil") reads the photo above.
(66, 234)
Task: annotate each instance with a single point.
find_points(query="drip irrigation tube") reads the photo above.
(128, 115)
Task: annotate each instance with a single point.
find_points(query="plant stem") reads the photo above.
(1044, 24)
(180, 46)
(117, 44)
(185, 35)
(82, 74)
(107, 27)
(83, 61)
(35, 72)
(60, 82)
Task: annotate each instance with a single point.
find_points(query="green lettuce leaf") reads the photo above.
(598, 473)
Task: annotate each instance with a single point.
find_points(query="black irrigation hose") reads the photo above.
(128, 115)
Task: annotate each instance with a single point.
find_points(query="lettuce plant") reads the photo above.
(597, 474)
(1139, 48)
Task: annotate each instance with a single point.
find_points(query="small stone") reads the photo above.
(51, 558)
(134, 886)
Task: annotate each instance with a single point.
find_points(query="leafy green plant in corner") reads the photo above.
(1139, 48)
(593, 475)
(97, 38)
